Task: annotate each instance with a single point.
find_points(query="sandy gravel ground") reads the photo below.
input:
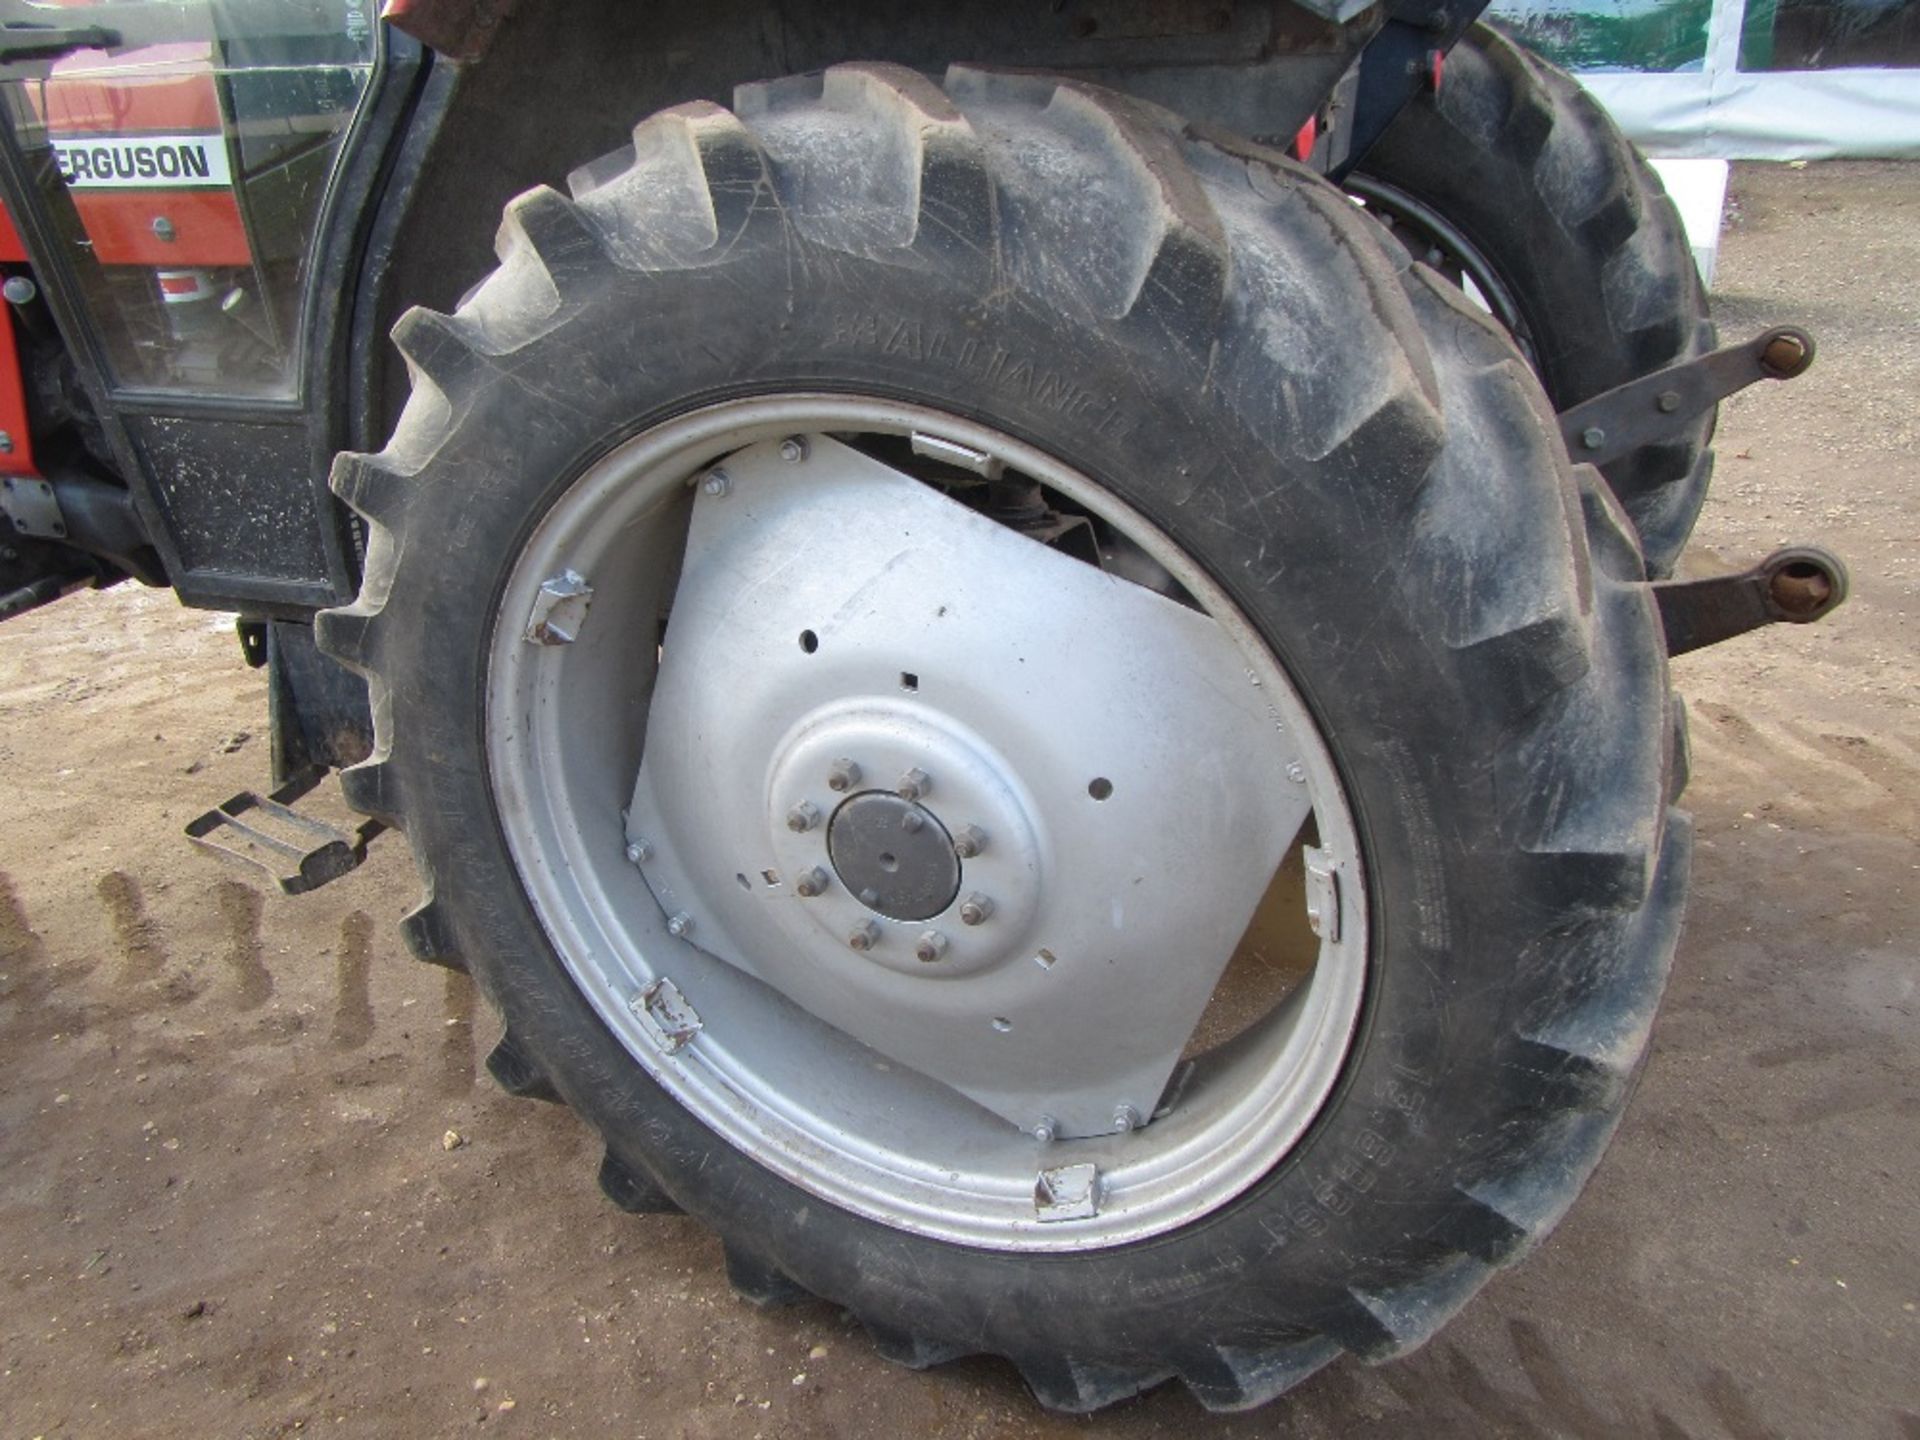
(226, 1208)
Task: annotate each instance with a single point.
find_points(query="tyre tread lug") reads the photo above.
(517, 1073)
(1680, 766)
(546, 226)
(911, 1349)
(371, 484)
(910, 173)
(439, 351)
(1380, 448)
(373, 787)
(1382, 1324)
(1585, 1056)
(760, 1282)
(1175, 273)
(632, 1191)
(1229, 1378)
(1079, 1387)
(1520, 630)
(429, 938)
(705, 178)
(1594, 882)
(345, 634)
(1529, 114)
(1505, 1216)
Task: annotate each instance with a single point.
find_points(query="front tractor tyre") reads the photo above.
(1030, 722)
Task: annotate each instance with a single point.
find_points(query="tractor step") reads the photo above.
(265, 833)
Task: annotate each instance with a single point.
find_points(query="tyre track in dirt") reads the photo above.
(241, 907)
(353, 1019)
(143, 952)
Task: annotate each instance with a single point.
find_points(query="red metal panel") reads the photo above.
(1303, 142)
(17, 460)
(458, 29)
(158, 88)
(11, 247)
(206, 227)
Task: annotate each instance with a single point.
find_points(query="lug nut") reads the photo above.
(717, 484)
(975, 909)
(864, 936)
(813, 883)
(842, 776)
(1297, 773)
(638, 852)
(914, 785)
(793, 449)
(931, 947)
(913, 822)
(680, 926)
(1668, 401)
(803, 817)
(1125, 1118)
(969, 841)
(1045, 1128)
(1593, 437)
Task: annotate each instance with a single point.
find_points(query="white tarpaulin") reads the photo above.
(1742, 79)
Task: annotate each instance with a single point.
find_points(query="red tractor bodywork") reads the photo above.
(140, 141)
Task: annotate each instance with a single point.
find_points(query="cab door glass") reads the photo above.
(187, 165)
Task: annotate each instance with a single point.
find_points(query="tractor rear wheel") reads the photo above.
(1030, 721)
(1514, 179)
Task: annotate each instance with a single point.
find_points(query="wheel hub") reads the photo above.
(882, 872)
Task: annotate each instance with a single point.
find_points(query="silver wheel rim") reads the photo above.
(564, 737)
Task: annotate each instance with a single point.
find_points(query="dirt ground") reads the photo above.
(227, 1207)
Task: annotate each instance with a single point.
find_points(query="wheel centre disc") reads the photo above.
(971, 804)
(894, 856)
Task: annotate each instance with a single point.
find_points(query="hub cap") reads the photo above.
(915, 862)
(894, 855)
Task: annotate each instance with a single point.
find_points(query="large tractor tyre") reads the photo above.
(1513, 177)
(882, 609)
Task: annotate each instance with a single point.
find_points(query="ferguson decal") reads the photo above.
(143, 162)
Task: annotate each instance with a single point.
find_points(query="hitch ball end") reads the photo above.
(1786, 352)
(1804, 583)
(1797, 585)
